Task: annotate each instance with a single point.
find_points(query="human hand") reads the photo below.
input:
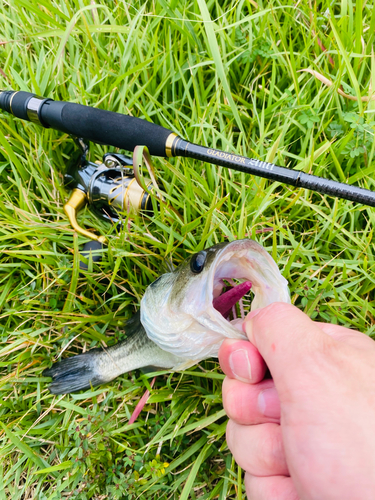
(307, 433)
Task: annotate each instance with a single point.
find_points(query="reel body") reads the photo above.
(109, 188)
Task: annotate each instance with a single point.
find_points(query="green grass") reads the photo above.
(220, 73)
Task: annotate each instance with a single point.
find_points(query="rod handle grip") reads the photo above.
(92, 124)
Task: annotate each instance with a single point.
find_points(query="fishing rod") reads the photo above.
(127, 132)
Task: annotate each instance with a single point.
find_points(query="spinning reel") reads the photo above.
(109, 188)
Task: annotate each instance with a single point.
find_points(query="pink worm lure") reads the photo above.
(227, 300)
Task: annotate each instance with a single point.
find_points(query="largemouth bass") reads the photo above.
(184, 316)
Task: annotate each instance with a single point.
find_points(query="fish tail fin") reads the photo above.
(76, 373)
(99, 366)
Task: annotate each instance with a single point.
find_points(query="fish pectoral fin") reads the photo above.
(185, 365)
(181, 366)
(153, 368)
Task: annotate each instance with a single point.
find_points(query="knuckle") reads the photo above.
(233, 404)
(281, 307)
(277, 309)
(275, 488)
(257, 449)
(272, 458)
(230, 436)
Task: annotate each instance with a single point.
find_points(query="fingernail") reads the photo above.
(269, 403)
(240, 365)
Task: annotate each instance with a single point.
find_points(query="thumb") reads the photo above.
(287, 339)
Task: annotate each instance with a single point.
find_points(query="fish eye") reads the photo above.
(198, 261)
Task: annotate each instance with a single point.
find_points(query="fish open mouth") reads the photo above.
(239, 267)
(235, 273)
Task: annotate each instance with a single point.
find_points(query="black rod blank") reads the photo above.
(275, 173)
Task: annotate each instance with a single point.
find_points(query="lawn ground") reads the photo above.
(226, 74)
